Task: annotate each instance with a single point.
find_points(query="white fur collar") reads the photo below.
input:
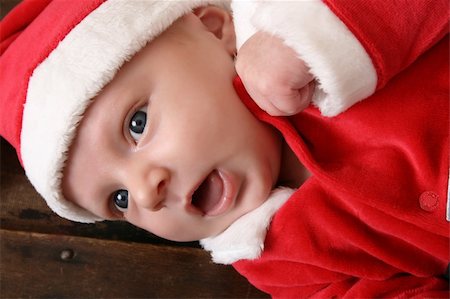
(244, 239)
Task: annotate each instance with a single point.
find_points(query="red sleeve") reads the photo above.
(352, 48)
(370, 222)
(394, 33)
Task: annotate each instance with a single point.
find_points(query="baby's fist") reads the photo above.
(273, 75)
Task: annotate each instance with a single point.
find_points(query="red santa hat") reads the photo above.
(55, 57)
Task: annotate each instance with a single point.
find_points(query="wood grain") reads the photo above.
(49, 266)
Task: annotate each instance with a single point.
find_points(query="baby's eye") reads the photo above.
(120, 200)
(137, 124)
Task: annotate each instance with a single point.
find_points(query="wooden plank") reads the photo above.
(49, 266)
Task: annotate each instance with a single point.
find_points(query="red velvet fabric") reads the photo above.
(370, 222)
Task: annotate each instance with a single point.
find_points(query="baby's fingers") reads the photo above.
(294, 102)
(284, 104)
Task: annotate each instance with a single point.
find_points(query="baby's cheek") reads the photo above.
(161, 224)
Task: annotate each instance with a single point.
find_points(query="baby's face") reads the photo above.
(168, 146)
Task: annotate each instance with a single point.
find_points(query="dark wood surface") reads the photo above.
(45, 256)
(56, 266)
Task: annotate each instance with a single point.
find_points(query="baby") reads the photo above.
(133, 112)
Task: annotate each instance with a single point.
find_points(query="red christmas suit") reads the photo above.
(371, 221)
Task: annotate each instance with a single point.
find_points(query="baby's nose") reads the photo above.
(149, 190)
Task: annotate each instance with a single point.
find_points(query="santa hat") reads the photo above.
(55, 57)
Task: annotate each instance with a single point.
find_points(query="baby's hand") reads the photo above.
(273, 75)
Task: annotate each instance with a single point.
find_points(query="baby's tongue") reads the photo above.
(209, 193)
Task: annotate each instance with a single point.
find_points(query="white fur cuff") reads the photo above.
(339, 62)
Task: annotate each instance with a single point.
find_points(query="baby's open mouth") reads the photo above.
(211, 196)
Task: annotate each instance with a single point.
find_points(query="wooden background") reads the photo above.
(44, 256)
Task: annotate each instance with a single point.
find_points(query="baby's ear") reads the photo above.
(220, 22)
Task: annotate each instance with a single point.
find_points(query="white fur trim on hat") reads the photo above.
(343, 68)
(62, 86)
